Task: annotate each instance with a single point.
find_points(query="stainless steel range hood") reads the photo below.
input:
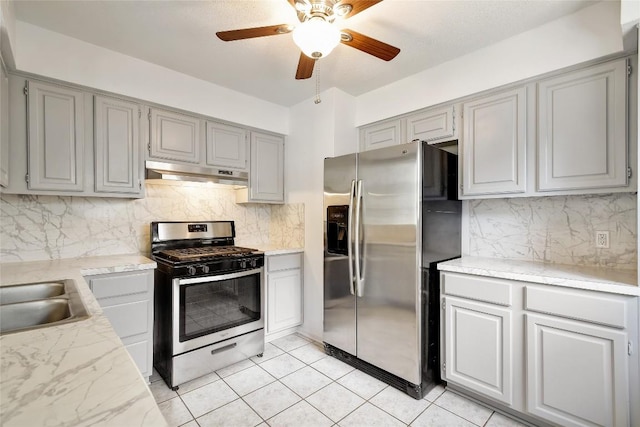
(177, 172)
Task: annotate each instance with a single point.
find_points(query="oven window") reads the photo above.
(214, 306)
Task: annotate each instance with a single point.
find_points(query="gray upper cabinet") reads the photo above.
(382, 134)
(226, 146)
(266, 176)
(432, 126)
(174, 136)
(493, 149)
(582, 126)
(70, 142)
(56, 137)
(117, 146)
(4, 127)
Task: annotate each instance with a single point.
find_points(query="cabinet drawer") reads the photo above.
(129, 319)
(139, 352)
(283, 262)
(604, 309)
(478, 288)
(119, 285)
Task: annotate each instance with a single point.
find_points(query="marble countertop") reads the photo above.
(77, 373)
(624, 282)
(280, 251)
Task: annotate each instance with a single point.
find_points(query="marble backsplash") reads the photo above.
(558, 229)
(51, 227)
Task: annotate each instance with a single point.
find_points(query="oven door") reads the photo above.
(210, 309)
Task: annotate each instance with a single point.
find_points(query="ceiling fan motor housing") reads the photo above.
(328, 10)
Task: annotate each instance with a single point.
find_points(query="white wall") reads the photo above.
(7, 32)
(590, 33)
(54, 55)
(317, 131)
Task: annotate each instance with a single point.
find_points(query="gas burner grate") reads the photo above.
(200, 252)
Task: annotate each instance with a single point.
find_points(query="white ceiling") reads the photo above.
(180, 35)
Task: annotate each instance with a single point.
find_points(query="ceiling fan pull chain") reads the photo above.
(317, 100)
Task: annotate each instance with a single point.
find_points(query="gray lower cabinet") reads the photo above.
(577, 374)
(226, 146)
(478, 340)
(56, 137)
(283, 292)
(117, 146)
(582, 129)
(127, 301)
(266, 175)
(550, 354)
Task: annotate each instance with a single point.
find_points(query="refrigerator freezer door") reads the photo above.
(388, 318)
(339, 300)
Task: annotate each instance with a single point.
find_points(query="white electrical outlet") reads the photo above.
(602, 239)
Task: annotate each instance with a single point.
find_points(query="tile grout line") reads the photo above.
(301, 398)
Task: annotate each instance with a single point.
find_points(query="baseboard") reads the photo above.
(275, 335)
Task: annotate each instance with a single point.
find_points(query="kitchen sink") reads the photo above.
(30, 292)
(38, 305)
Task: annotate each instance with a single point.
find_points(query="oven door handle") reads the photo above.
(220, 277)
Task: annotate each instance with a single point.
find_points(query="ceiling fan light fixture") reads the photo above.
(316, 37)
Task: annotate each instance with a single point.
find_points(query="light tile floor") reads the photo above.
(296, 384)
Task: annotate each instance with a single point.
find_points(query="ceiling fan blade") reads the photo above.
(368, 45)
(249, 33)
(305, 67)
(358, 6)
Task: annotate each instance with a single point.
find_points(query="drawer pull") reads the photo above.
(225, 348)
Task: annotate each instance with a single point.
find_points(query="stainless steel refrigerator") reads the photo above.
(389, 216)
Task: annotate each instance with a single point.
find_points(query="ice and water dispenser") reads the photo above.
(337, 229)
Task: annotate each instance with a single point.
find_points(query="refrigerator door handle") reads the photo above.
(358, 237)
(350, 237)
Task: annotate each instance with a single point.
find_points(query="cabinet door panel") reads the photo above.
(478, 348)
(140, 353)
(432, 125)
(267, 167)
(582, 129)
(381, 135)
(129, 319)
(56, 138)
(226, 146)
(175, 136)
(284, 305)
(117, 285)
(576, 373)
(493, 150)
(117, 145)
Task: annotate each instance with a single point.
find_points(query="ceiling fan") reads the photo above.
(317, 34)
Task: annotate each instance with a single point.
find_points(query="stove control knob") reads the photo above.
(254, 263)
(243, 263)
(191, 270)
(205, 269)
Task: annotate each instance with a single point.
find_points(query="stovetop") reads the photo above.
(200, 248)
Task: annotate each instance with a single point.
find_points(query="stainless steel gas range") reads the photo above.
(208, 299)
